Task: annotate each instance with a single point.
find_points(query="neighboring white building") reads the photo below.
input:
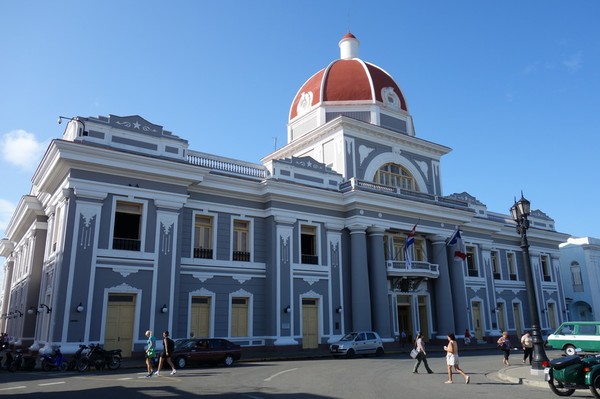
(126, 228)
(580, 274)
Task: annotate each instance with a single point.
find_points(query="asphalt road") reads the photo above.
(359, 378)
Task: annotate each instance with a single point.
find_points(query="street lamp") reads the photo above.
(520, 212)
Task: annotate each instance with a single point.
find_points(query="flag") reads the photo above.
(409, 242)
(460, 253)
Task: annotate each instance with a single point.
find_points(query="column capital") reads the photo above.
(376, 230)
(437, 239)
(357, 228)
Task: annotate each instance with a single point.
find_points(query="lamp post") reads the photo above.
(520, 212)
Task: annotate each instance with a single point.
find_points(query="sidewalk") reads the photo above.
(521, 374)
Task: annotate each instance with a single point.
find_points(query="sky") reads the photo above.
(512, 86)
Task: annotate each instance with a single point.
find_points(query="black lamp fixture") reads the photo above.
(80, 308)
(520, 212)
(164, 308)
(43, 306)
(19, 312)
(32, 310)
(338, 310)
(81, 130)
(287, 309)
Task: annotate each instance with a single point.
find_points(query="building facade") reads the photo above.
(127, 229)
(580, 273)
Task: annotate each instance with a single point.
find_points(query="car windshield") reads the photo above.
(184, 343)
(349, 337)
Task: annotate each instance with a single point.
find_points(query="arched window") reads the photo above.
(394, 175)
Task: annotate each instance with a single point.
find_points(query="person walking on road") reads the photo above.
(505, 346)
(150, 351)
(421, 355)
(527, 343)
(452, 359)
(168, 348)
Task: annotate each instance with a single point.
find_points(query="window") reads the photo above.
(394, 247)
(203, 235)
(512, 266)
(128, 226)
(420, 254)
(396, 176)
(472, 269)
(241, 240)
(308, 245)
(56, 227)
(496, 266)
(546, 268)
(576, 277)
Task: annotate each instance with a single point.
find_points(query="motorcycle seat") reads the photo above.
(563, 362)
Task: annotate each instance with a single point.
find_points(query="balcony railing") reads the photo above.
(126, 244)
(310, 259)
(416, 269)
(362, 185)
(203, 253)
(241, 256)
(227, 165)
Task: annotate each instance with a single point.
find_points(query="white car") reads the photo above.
(358, 343)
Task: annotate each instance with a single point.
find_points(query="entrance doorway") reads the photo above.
(405, 317)
(310, 323)
(120, 314)
(200, 316)
(477, 322)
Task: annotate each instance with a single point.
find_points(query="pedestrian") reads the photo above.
(452, 359)
(403, 337)
(168, 348)
(505, 346)
(467, 337)
(150, 351)
(421, 355)
(527, 343)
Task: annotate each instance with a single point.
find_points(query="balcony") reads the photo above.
(241, 256)
(126, 244)
(203, 253)
(398, 268)
(310, 259)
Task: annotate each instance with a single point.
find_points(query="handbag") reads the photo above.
(151, 353)
(414, 353)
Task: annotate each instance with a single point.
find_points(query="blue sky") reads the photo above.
(513, 87)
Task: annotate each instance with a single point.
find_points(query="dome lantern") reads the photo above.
(349, 47)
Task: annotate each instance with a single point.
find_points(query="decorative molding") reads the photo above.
(311, 280)
(424, 166)
(125, 271)
(203, 276)
(240, 278)
(363, 152)
(122, 288)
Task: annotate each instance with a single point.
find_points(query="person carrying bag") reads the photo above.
(420, 355)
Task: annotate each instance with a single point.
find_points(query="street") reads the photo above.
(371, 377)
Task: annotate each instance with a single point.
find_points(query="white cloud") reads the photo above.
(21, 148)
(7, 209)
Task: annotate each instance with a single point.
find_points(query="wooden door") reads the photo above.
(120, 315)
(239, 317)
(477, 321)
(200, 317)
(310, 323)
(517, 315)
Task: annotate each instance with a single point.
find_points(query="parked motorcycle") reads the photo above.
(54, 360)
(566, 374)
(21, 362)
(99, 358)
(73, 363)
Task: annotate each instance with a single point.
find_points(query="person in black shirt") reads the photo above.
(168, 348)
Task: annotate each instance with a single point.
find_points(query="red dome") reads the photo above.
(347, 80)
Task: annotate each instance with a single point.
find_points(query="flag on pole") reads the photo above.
(460, 253)
(410, 241)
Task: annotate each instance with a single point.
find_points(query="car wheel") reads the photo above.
(228, 361)
(570, 350)
(379, 351)
(181, 362)
(558, 387)
(595, 386)
(350, 353)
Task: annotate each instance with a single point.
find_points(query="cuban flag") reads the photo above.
(455, 241)
(409, 242)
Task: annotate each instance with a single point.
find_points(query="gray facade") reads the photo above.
(145, 233)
